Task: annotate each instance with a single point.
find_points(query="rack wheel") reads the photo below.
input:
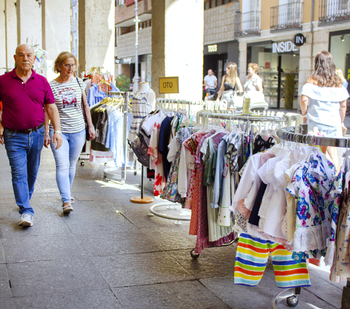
(135, 173)
(82, 163)
(292, 301)
(194, 255)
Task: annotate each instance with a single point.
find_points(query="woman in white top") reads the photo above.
(253, 87)
(323, 101)
(69, 97)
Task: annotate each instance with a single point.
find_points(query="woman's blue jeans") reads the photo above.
(23, 151)
(66, 158)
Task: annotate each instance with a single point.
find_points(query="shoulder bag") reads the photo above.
(87, 133)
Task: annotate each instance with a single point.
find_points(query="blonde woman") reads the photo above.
(69, 96)
(229, 83)
(339, 72)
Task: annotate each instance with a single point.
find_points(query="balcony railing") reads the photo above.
(247, 24)
(286, 16)
(333, 11)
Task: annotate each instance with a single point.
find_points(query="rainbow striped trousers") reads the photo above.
(252, 256)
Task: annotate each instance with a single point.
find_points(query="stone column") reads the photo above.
(29, 22)
(11, 31)
(242, 61)
(96, 35)
(55, 30)
(177, 45)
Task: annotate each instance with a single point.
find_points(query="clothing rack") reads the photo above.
(203, 117)
(167, 209)
(299, 134)
(110, 172)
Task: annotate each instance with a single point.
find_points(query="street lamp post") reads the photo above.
(136, 77)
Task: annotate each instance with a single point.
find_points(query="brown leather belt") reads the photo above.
(26, 131)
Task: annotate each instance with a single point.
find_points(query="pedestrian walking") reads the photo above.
(210, 82)
(24, 95)
(69, 97)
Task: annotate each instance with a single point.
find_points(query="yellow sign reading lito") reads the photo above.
(169, 84)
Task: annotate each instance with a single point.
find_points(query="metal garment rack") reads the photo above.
(108, 173)
(167, 209)
(299, 135)
(204, 116)
(290, 294)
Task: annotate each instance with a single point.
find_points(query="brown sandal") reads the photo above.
(67, 208)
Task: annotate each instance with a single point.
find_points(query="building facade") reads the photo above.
(266, 36)
(220, 47)
(125, 39)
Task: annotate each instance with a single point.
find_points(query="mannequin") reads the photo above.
(150, 94)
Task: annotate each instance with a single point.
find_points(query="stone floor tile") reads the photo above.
(173, 237)
(47, 221)
(212, 262)
(92, 221)
(140, 269)
(5, 289)
(7, 303)
(105, 244)
(42, 248)
(101, 299)
(179, 295)
(71, 274)
(2, 252)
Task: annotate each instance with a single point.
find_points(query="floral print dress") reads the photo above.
(311, 184)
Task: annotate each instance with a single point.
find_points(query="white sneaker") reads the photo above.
(26, 220)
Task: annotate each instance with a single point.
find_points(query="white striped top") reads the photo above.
(68, 101)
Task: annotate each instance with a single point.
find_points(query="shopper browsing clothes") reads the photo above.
(323, 101)
(230, 82)
(69, 96)
(210, 82)
(24, 94)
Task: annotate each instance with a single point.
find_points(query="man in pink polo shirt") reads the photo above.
(24, 94)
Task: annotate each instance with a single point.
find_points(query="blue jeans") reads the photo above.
(23, 152)
(66, 158)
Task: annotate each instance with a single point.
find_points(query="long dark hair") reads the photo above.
(324, 71)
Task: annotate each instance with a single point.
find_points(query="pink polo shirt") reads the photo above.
(23, 103)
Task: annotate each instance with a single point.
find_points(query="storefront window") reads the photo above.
(340, 50)
(279, 71)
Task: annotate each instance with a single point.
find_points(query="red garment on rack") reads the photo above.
(200, 202)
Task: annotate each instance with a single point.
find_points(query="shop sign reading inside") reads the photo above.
(169, 84)
(212, 48)
(283, 47)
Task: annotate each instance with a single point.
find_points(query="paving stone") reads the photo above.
(91, 221)
(212, 262)
(173, 238)
(324, 289)
(117, 243)
(7, 303)
(70, 274)
(2, 252)
(5, 290)
(47, 221)
(41, 248)
(78, 300)
(140, 269)
(184, 294)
